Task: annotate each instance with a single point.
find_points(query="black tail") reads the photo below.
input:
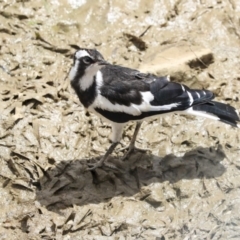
(224, 112)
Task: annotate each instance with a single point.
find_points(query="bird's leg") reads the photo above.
(101, 162)
(117, 129)
(131, 146)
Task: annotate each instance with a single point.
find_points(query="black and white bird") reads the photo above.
(120, 94)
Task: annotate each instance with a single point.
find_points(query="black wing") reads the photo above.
(125, 85)
(119, 73)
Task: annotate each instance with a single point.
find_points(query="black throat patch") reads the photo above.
(87, 96)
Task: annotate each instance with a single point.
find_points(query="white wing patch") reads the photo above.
(190, 97)
(145, 106)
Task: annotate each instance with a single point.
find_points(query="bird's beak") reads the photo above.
(102, 62)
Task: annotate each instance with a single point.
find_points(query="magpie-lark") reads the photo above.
(120, 94)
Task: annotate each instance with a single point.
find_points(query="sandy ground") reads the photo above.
(186, 186)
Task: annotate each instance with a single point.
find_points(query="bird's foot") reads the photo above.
(130, 150)
(102, 161)
(93, 166)
(100, 164)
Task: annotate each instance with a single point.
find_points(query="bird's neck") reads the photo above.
(87, 80)
(86, 87)
(88, 95)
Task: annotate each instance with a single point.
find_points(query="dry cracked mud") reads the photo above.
(186, 186)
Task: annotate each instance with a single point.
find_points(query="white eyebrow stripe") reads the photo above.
(81, 53)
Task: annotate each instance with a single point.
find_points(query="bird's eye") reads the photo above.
(87, 60)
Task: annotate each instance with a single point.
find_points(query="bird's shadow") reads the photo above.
(68, 184)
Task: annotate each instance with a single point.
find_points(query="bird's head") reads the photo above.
(86, 62)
